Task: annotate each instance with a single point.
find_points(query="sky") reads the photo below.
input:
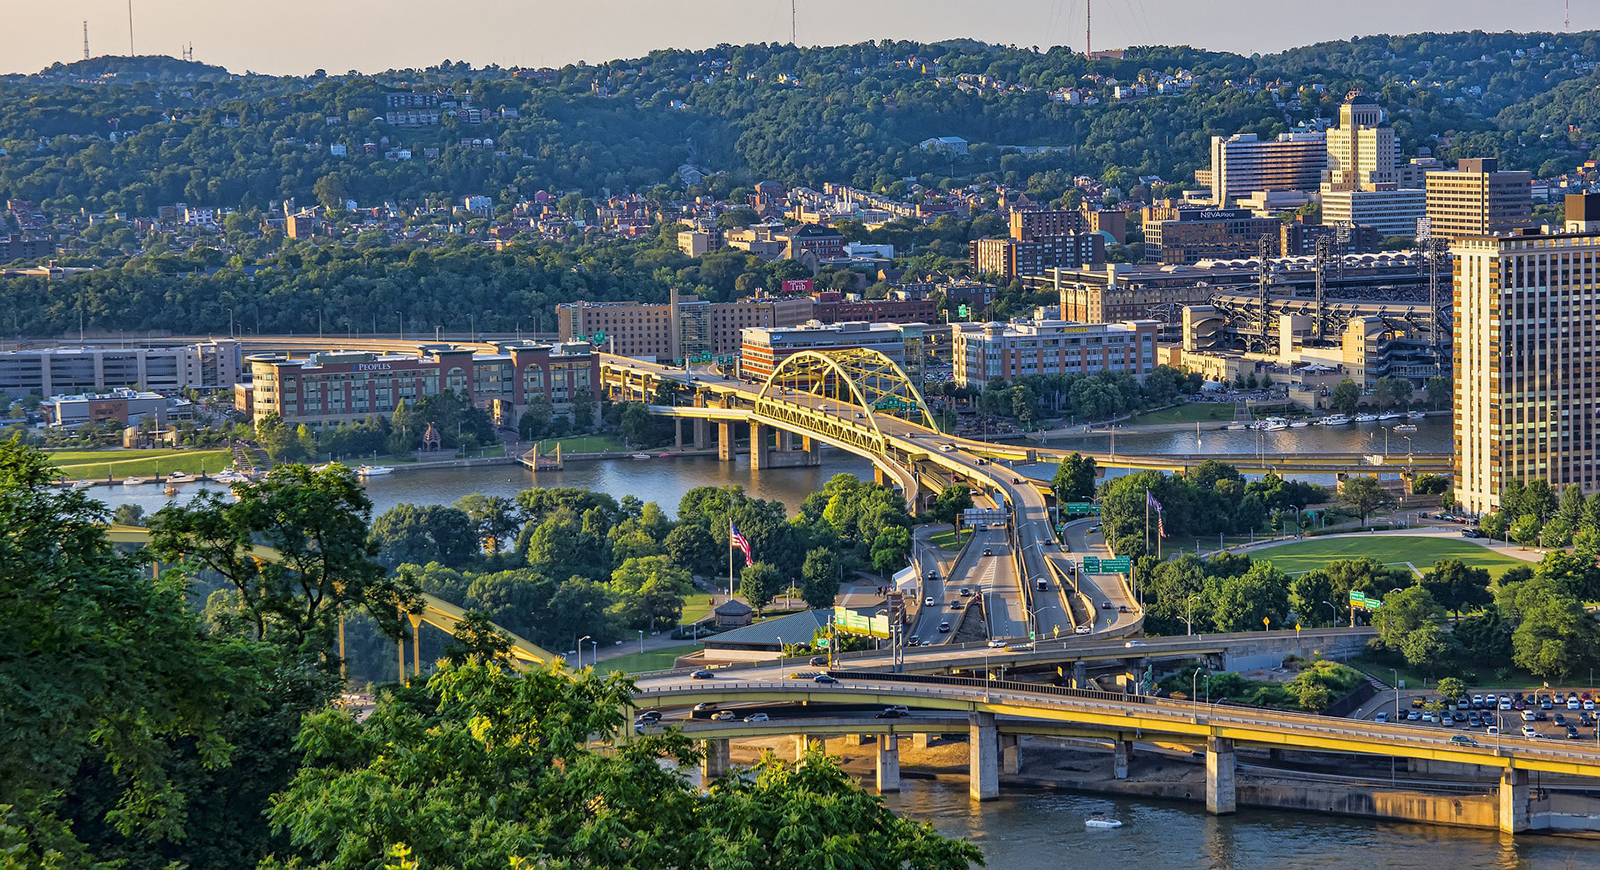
(299, 36)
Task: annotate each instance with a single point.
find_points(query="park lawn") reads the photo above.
(652, 660)
(695, 608)
(952, 540)
(584, 444)
(141, 463)
(1476, 676)
(1303, 556)
(1188, 412)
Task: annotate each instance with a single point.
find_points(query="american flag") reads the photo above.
(737, 540)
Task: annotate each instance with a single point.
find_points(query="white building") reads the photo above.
(1041, 346)
(212, 365)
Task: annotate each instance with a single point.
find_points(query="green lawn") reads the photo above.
(1302, 556)
(654, 660)
(99, 464)
(953, 540)
(1476, 676)
(1188, 412)
(695, 608)
(584, 444)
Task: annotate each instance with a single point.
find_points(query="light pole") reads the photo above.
(1194, 690)
(1189, 623)
(594, 653)
(580, 650)
(641, 641)
(1396, 673)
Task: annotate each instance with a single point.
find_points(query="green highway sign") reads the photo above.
(1091, 564)
(1123, 565)
(1362, 601)
(1080, 507)
(851, 622)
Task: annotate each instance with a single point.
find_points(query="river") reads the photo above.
(664, 481)
(1030, 829)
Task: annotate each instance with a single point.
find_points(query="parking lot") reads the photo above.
(1546, 713)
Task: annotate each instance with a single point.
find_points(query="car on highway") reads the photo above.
(1381, 717)
(1083, 629)
(818, 661)
(1105, 605)
(932, 575)
(956, 604)
(1134, 643)
(1463, 740)
(648, 717)
(824, 678)
(996, 644)
(1016, 480)
(987, 551)
(1094, 528)
(1572, 732)
(944, 627)
(965, 592)
(927, 602)
(704, 706)
(946, 448)
(725, 716)
(702, 674)
(1042, 583)
(890, 713)
(758, 717)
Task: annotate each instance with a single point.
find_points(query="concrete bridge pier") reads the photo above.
(802, 743)
(677, 432)
(725, 449)
(758, 446)
(1513, 801)
(718, 759)
(1122, 751)
(919, 740)
(1080, 675)
(983, 767)
(1010, 754)
(1221, 795)
(888, 763)
(702, 434)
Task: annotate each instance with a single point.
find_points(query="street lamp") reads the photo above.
(1397, 695)
(580, 650)
(594, 653)
(1194, 690)
(1189, 623)
(641, 641)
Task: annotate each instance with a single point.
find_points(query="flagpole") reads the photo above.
(730, 560)
(1147, 521)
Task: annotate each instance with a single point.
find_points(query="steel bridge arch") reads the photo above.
(874, 383)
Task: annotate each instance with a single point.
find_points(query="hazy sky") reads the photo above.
(297, 36)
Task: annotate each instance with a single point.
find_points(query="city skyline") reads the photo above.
(297, 37)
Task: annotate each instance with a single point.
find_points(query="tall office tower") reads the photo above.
(1244, 163)
(1477, 199)
(1361, 153)
(1527, 394)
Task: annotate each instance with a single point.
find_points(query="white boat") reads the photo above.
(179, 477)
(229, 477)
(81, 485)
(1366, 418)
(1390, 415)
(1275, 427)
(1405, 427)
(1234, 427)
(1299, 424)
(373, 470)
(1415, 415)
(1336, 420)
(134, 481)
(1102, 822)
(641, 456)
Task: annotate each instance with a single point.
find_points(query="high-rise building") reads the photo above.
(1391, 212)
(1527, 403)
(209, 365)
(1479, 199)
(1045, 346)
(766, 349)
(685, 326)
(1040, 240)
(1179, 236)
(1361, 153)
(1244, 163)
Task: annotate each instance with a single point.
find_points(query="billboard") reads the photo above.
(801, 285)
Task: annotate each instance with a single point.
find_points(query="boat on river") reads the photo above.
(1102, 822)
(1390, 415)
(134, 481)
(1415, 415)
(641, 456)
(1366, 418)
(1405, 427)
(1336, 420)
(373, 470)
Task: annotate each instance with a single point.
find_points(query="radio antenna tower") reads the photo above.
(1088, 30)
(130, 29)
(1566, 25)
(794, 20)
(85, 40)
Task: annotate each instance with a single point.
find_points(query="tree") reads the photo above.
(759, 583)
(650, 591)
(1538, 499)
(636, 425)
(1440, 392)
(1345, 397)
(693, 548)
(1525, 531)
(523, 766)
(1427, 647)
(330, 192)
(419, 534)
(1074, 480)
(1556, 638)
(583, 408)
(1404, 612)
(128, 515)
(951, 501)
(478, 640)
(1451, 688)
(820, 578)
(1455, 587)
(1240, 603)
(890, 548)
(497, 518)
(1365, 495)
(316, 522)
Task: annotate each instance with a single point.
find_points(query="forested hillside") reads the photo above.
(803, 116)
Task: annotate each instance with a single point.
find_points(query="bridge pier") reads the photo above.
(983, 767)
(718, 760)
(758, 446)
(702, 434)
(1080, 675)
(1513, 801)
(725, 441)
(1010, 754)
(802, 743)
(1221, 796)
(1122, 750)
(888, 763)
(920, 739)
(677, 432)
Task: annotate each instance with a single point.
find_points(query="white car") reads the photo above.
(1528, 732)
(1082, 629)
(927, 602)
(757, 717)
